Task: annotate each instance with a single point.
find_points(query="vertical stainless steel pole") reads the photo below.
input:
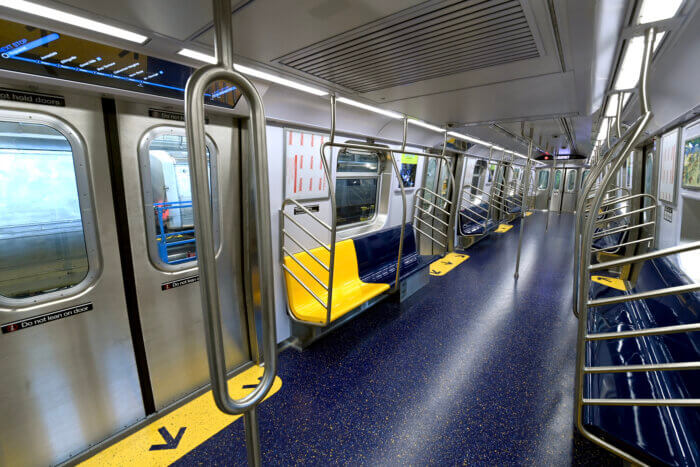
(551, 188)
(526, 187)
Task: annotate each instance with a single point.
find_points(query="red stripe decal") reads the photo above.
(295, 173)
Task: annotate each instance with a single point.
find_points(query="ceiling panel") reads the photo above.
(430, 40)
(178, 19)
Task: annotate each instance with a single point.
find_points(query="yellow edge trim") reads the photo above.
(200, 418)
(447, 263)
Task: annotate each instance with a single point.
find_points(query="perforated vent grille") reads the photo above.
(428, 41)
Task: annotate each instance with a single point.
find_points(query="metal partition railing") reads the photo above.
(471, 199)
(254, 187)
(624, 213)
(422, 205)
(582, 277)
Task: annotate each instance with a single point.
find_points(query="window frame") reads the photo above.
(86, 201)
(359, 175)
(143, 155)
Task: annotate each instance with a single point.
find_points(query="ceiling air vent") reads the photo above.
(430, 40)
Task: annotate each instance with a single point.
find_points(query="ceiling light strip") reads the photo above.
(74, 20)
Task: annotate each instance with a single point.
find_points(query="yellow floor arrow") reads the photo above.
(503, 228)
(613, 282)
(166, 439)
(447, 263)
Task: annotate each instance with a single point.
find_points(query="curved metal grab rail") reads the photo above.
(194, 111)
(583, 263)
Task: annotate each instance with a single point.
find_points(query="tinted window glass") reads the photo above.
(42, 242)
(543, 180)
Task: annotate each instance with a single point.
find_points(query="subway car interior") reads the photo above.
(357, 232)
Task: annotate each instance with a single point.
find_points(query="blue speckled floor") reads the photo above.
(474, 369)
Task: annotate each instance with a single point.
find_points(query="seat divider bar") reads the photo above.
(289, 254)
(644, 402)
(318, 260)
(676, 366)
(306, 231)
(304, 285)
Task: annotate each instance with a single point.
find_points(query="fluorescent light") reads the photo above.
(360, 105)
(469, 138)
(74, 20)
(202, 57)
(421, 123)
(279, 80)
(631, 66)
(657, 10)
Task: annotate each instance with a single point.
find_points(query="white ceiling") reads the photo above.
(539, 91)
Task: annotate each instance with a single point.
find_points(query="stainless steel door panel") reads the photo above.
(555, 202)
(72, 382)
(568, 203)
(541, 194)
(172, 319)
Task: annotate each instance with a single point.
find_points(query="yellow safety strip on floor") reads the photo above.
(529, 213)
(613, 282)
(503, 228)
(168, 438)
(447, 263)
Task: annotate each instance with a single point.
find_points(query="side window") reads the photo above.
(571, 181)
(476, 176)
(47, 236)
(165, 174)
(356, 186)
(543, 180)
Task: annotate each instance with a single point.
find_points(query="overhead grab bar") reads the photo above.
(199, 176)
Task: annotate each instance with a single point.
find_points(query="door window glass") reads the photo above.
(557, 180)
(42, 238)
(168, 193)
(571, 181)
(543, 180)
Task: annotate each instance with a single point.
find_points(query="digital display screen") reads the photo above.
(40, 52)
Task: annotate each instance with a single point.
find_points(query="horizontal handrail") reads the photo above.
(433, 227)
(629, 213)
(680, 289)
(646, 256)
(615, 230)
(323, 304)
(431, 204)
(429, 236)
(620, 245)
(643, 367)
(306, 211)
(301, 265)
(297, 243)
(433, 216)
(435, 194)
(306, 231)
(657, 331)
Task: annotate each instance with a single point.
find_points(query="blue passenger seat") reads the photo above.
(468, 218)
(377, 254)
(639, 427)
(513, 204)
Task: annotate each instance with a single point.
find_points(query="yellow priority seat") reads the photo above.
(349, 291)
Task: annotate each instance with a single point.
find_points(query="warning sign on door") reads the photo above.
(305, 178)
